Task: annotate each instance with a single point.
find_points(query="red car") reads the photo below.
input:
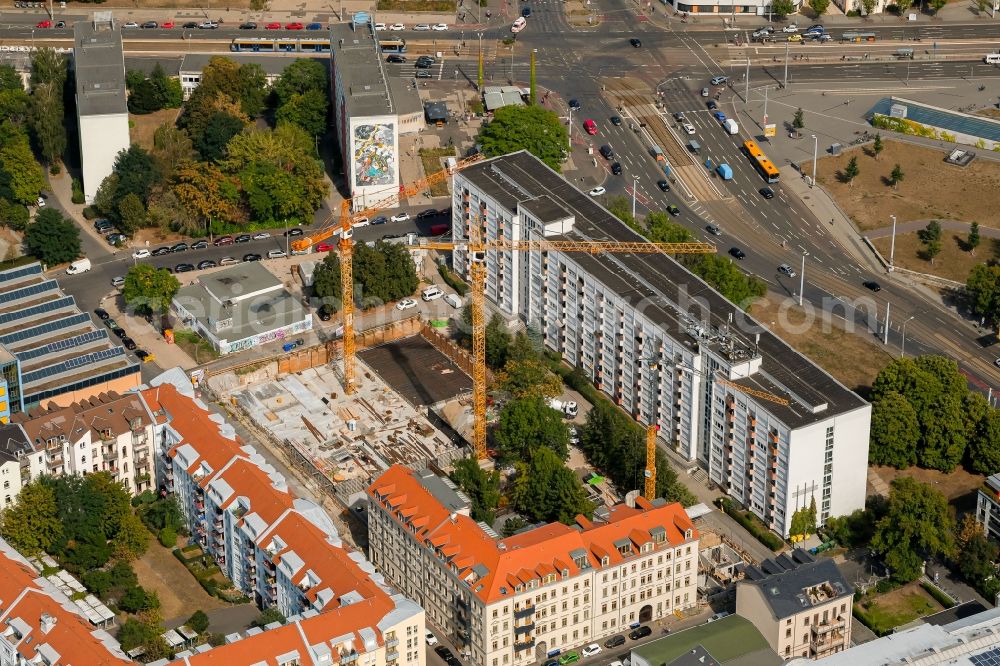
(273, 26)
(590, 126)
(294, 26)
(324, 247)
(168, 24)
(44, 24)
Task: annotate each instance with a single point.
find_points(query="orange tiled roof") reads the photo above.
(24, 596)
(542, 551)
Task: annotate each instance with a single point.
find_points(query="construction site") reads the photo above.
(399, 412)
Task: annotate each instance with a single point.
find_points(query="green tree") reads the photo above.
(530, 128)
(145, 98)
(479, 74)
(525, 374)
(932, 232)
(973, 239)
(133, 77)
(134, 633)
(207, 194)
(171, 147)
(782, 8)
(983, 291)
(137, 173)
(13, 215)
(48, 67)
(136, 600)
(819, 6)
(198, 621)
(896, 177)
(10, 79)
(983, 455)
(149, 289)
(167, 537)
(878, 146)
(303, 75)
(106, 196)
(932, 250)
(52, 238)
(804, 520)
(513, 525)
(131, 539)
(168, 90)
(245, 84)
(308, 110)
(219, 130)
(48, 122)
(526, 424)
(532, 92)
(498, 338)
(326, 280)
(856, 529)
(918, 525)
(545, 489)
(798, 120)
(161, 514)
(983, 6)
(383, 273)
(944, 434)
(281, 176)
(267, 616)
(32, 525)
(938, 4)
(895, 432)
(131, 213)
(482, 487)
(851, 171)
(21, 178)
(976, 560)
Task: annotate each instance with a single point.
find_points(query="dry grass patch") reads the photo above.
(853, 358)
(952, 485)
(432, 160)
(954, 263)
(179, 593)
(931, 188)
(142, 128)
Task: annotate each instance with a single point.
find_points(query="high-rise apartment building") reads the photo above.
(666, 347)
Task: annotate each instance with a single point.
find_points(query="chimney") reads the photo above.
(47, 622)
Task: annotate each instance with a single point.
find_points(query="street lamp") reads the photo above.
(892, 244)
(570, 132)
(815, 155)
(802, 276)
(902, 343)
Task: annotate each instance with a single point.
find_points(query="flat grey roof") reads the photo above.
(237, 281)
(656, 282)
(442, 491)
(100, 70)
(358, 64)
(266, 312)
(784, 582)
(145, 64)
(405, 97)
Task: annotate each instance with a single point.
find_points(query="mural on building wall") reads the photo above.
(374, 155)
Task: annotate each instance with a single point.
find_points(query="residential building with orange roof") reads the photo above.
(107, 432)
(549, 588)
(40, 625)
(279, 549)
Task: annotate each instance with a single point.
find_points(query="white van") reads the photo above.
(992, 58)
(431, 293)
(78, 266)
(731, 126)
(454, 300)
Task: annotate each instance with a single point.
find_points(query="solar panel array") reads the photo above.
(989, 658)
(62, 345)
(31, 290)
(65, 301)
(47, 327)
(15, 275)
(70, 364)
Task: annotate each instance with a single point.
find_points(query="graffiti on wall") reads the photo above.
(374, 155)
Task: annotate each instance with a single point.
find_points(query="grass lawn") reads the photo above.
(899, 607)
(142, 128)
(195, 346)
(432, 160)
(952, 485)
(953, 263)
(931, 189)
(853, 358)
(180, 594)
(726, 639)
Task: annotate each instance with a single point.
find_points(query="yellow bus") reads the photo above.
(759, 160)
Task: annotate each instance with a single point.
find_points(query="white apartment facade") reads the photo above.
(108, 433)
(279, 549)
(513, 601)
(666, 347)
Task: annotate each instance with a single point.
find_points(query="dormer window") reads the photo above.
(605, 560)
(688, 533)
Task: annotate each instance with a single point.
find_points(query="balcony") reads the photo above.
(827, 627)
(523, 628)
(527, 645)
(391, 643)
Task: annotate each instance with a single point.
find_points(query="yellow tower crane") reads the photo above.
(343, 226)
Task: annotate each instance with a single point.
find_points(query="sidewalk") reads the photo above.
(147, 337)
(946, 225)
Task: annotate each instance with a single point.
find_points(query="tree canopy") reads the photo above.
(545, 489)
(917, 525)
(531, 128)
(382, 274)
(983, 291)
(149, 289)
(32, 525)
(526, 424)
(21, 177)
(498, 338)
(482, 487)
(52, 238)
(525, 374)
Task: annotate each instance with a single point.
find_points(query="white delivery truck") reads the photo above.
(731, 126)
(78, 266)
(568, 408)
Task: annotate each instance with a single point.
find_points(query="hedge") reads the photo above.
(453, 280)
(939, 595)
(752, 525)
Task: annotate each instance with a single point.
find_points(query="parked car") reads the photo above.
(261, 235)
(431, 293)
(381, 219)
(431, 639)
(294, 25)
(295, 231)
(207, 263)
(430, 212)
(208, 25)
(379, 27)
(160, 251)
(228, 261)
(400, 217)
(395, 58)
(440, 27)
(422, 27)
(791, 27)
(150, 25)
(242, 238)
(199, 244)
(598, 191)
(130, 25)
(249, 25)
(144, 356)
(223, 240)
(141, 254)
(614, 641)
(129, 343)
(570, 657)
(276, 254)
(325, 247)
(273, 25)
(314, 26)
(640, 632)
(406, 304)
(102, 314)
(183, 268)
(591, 650)
(190, 25)
(397, 27)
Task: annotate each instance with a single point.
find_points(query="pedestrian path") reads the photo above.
(946, 225)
